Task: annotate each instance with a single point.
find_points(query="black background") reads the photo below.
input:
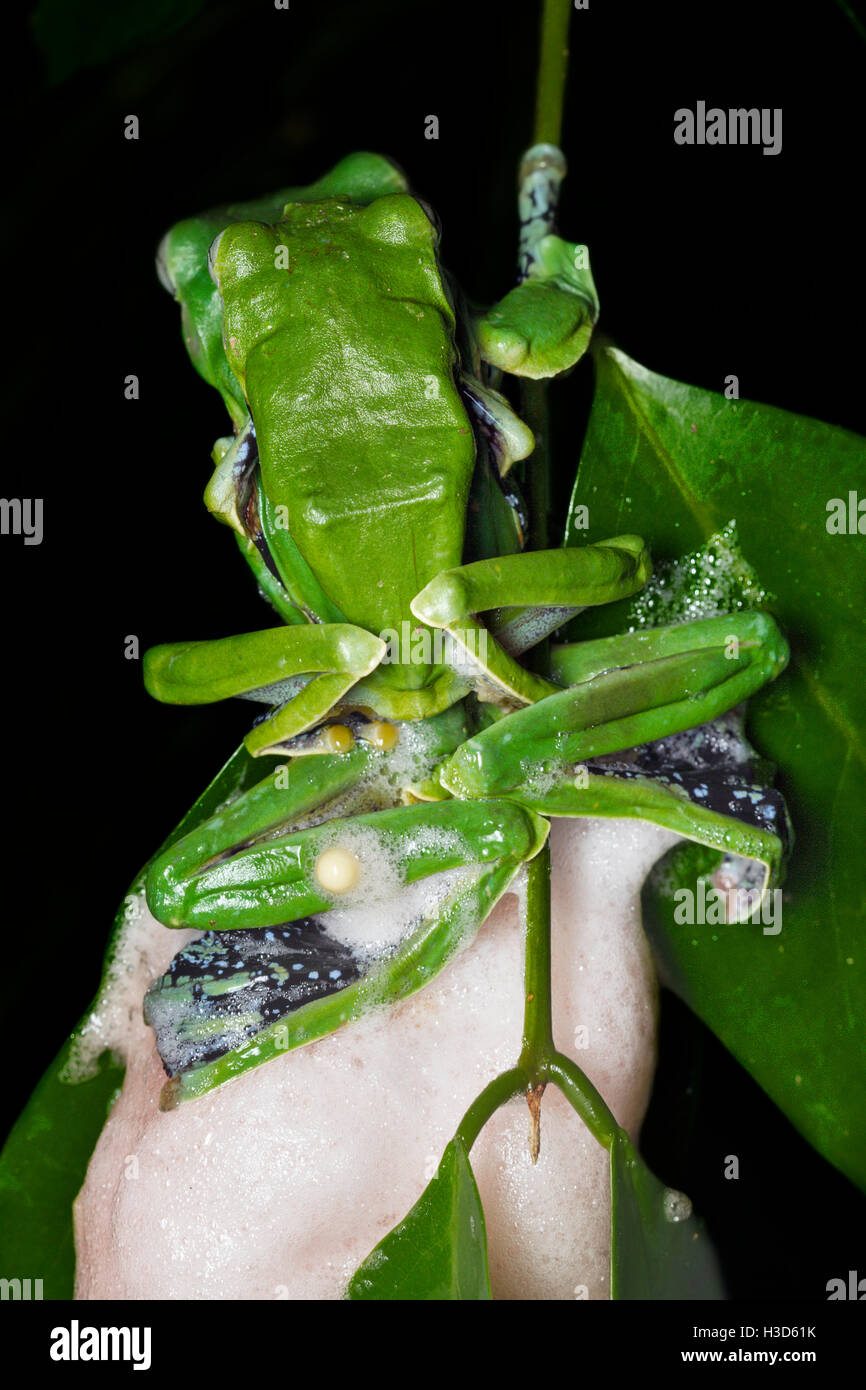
(709, 261)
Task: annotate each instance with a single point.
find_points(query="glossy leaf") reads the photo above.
(41, 1170)
(439, 1251)
(659, 1249)
(45, 1158)
(678, 464)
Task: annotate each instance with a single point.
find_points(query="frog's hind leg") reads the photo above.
(290, 796)
(237, 998)
(528, 596)
(207, 877)
(239, 870)
(557, 757)
(303, 670)
(624, 691)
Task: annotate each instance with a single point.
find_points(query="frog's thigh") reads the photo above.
(280, 1183)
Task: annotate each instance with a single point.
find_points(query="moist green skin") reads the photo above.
(328, 328)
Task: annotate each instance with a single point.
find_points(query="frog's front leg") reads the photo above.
(543, 326)
(532, 594)
(304, 670)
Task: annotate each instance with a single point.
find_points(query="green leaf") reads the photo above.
(45, 1158)
(41, 1170)
(439, 1251)
(676, 465)
(659, 1250)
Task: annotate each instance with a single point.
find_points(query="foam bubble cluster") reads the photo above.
(140, 949)
(704, 584)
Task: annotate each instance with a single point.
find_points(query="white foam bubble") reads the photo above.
(704, 584)
(372, 927)
(141, 949)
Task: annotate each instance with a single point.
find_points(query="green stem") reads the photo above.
(549, 104)
(537, 1016)
(536, 412)
(539, 1061)
(583, 1097)
(552, 69)
(503, 1088)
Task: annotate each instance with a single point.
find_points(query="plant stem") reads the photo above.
(539, 1061)
(549, 104)
(536, 412)
(582, 1095)
(501, 1089)
(552, 69)
(537, 1016)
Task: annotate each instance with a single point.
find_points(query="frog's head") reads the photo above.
(182, 261)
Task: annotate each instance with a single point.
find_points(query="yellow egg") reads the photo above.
(381, 735)
(338, 870)
(338, 739)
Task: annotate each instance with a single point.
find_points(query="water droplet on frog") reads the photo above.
(676, 1206)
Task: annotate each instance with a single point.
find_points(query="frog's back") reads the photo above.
(338, 326)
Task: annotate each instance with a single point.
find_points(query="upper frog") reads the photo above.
(338, 328)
